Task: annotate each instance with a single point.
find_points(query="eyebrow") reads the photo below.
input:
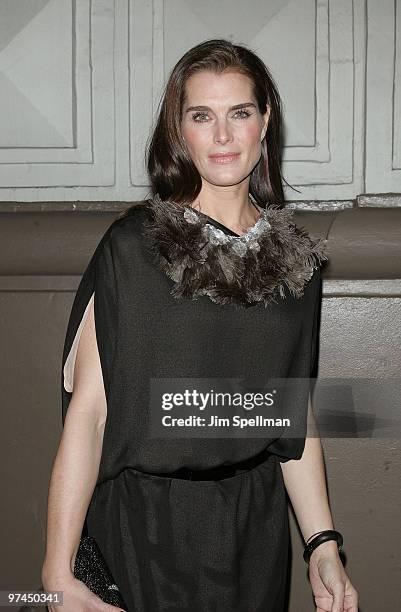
(203, 108)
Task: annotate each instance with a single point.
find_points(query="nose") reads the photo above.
(222, 132)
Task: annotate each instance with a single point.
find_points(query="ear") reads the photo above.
(266, 117)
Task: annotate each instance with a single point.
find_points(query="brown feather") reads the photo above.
(286, 258)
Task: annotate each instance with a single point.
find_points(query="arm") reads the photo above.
(76, 465)
(305, 482)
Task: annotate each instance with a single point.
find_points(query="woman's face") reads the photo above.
(211, 125)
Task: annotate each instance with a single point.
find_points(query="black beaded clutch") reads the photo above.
(91, 568)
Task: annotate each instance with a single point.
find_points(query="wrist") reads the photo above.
(314, 533)
(55, 574)
(326, 549)
(326, 541)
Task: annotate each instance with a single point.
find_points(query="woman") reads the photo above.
(209, 279)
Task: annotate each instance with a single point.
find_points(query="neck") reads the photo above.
(236, 215)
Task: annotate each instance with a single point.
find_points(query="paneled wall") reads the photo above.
(80, 83)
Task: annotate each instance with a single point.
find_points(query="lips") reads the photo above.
(224, 157)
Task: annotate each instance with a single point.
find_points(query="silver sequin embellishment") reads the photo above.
(190, 215)
(239, 244)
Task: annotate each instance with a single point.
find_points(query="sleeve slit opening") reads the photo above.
(68, 370)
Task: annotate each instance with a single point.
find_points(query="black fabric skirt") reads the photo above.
(196, 545)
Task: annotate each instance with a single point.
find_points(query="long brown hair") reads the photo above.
(172, 173)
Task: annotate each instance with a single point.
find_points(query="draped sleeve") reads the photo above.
(98, 283)
(304, 370)
(316, 326)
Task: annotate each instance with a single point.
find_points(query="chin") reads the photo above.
(229, 182)
(230, 178)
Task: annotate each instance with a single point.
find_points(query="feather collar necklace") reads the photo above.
(202, 259)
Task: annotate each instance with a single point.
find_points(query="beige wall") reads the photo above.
(42, 255)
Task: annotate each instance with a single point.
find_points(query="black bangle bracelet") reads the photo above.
(324, 536)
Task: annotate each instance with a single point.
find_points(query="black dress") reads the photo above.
(174, 544)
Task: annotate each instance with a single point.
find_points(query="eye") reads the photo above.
(244, 115)
(196, 115)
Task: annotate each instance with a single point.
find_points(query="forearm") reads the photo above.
(72, 482)
(305, 482)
